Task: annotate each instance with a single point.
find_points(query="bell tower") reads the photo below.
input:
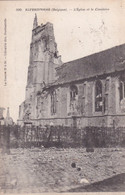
(44, 58)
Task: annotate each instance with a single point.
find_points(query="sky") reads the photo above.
(78, 33)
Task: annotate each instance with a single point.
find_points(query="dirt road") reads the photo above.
(57, 170)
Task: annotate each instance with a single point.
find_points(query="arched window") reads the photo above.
(122, 89)
(98, 96)
(73, 93)
(73, 98)
(53, 102)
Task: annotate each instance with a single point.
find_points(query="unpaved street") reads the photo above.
(57, 169)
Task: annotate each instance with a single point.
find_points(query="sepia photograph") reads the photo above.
(62, 96)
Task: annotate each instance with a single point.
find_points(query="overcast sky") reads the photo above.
(77, 34)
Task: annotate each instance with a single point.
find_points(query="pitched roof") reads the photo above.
(104, 62)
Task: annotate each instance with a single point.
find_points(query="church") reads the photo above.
(89, 91)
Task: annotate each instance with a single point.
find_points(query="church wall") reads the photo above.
(87, 116)
(112, 95)
(62, 102)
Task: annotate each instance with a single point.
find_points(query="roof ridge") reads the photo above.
(99, 52)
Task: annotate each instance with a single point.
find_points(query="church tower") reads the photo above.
(44, 58)
(43, 61)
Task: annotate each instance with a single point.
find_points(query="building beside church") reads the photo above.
(8, 121)
(5, 120)
(89, 91)
(1, 116)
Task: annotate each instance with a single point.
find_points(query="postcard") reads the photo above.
(62, 96)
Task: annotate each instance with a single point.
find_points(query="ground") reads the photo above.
(57, 169)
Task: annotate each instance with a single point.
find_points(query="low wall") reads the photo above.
(81, 121)
(62, 136)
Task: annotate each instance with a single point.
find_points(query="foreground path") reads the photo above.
(57, 170)
(113, 184)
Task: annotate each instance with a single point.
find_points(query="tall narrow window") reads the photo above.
(73, 92)
(73, 98)
(38, 107)
(122, 89)
(53, 102)
(98, 96)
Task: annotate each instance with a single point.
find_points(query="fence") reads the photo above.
(61, 136)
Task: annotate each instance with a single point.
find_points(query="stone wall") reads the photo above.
(85, 114)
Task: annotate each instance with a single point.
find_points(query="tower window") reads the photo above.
(98, 96)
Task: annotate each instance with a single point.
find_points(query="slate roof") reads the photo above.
(104, 62)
